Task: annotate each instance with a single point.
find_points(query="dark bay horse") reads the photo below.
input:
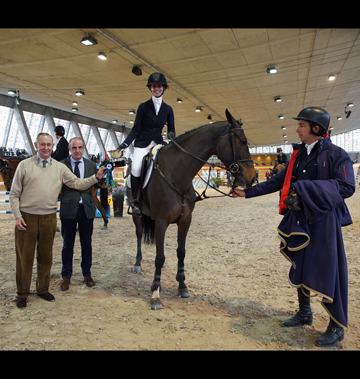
(170, 197)
(7, 171)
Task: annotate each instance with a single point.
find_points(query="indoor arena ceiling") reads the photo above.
(213, 69)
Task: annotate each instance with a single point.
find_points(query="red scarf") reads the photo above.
(287, 182)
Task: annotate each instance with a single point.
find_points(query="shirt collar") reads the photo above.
(72, 160)
(39, 159)
(310, 147)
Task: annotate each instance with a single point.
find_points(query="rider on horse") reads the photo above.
(280, 159)
(151, 117)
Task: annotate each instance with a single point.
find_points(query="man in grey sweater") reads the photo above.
(33, 200)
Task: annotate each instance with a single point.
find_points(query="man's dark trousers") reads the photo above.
(68, 231)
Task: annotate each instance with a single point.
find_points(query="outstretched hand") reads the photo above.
(237, 192)
(101, 173)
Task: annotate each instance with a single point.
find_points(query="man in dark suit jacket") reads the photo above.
(151, 117)
(62, 148)
(77, 208)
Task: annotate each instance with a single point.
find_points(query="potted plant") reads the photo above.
(118, 192)
(216, 182)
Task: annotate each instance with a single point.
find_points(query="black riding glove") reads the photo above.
(122, 146)
(171, 135)
(293, 201)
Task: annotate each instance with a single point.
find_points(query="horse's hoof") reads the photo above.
(104, 227)
(155, 304)
(137, 269)
(183, 293)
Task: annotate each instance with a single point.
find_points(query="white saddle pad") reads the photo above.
(148, 175)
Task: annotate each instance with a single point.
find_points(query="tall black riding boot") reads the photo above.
(334, 334)
(304, 315)
(136, 207)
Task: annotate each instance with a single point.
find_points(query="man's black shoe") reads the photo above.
(334, 334)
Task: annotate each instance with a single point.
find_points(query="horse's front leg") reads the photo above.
(160, 229)
(139, 230)
(183, 229)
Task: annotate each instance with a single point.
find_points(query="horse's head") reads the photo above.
(233, 151)
(7, 174)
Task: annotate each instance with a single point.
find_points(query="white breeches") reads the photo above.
(139, 153)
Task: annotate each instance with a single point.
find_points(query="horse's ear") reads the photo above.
(229, 117)
(232, 120)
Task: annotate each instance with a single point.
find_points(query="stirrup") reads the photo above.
(136, 209)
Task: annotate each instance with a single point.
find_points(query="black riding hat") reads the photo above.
(157, 78)
(316, 116)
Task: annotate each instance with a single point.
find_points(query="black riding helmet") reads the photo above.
(315, 116)
(59, 130)
(157, 78)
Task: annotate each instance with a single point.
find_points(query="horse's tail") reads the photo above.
(104, 198)
(148, 225)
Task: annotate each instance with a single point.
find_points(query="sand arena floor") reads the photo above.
(236, 277)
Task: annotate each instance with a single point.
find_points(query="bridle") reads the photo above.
(233, 168)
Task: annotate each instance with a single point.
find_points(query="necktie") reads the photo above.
(44, 162)
(76, 170)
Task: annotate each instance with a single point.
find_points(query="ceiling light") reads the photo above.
(88, 41)
(281, 117)
(350, 104)
(286, 141)
(179, 101)
(136, 71)
(332, 77)
(102, 56)
(198, 109)
(74, 109)
(131, 112)
(277, 99)
(339, 118)
(284, 135)
(79, 93)
(11, 92)
(283, 127)
(114, 121)
(271, 70)
(74, 102)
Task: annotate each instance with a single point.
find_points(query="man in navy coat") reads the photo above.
(314, 185)
(150, 120)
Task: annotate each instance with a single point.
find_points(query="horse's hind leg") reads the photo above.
(183, 229)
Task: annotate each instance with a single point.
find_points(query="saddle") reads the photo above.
(147, 168)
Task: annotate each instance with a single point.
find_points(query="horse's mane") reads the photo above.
(191, 132)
